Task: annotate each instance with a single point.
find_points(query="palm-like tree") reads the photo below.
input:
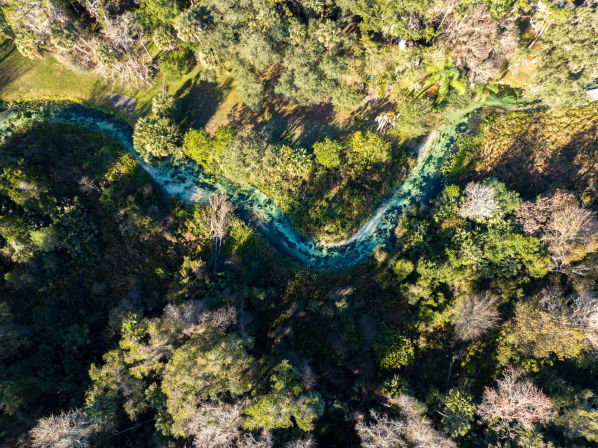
(442, 74)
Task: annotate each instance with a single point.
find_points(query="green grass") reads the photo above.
(23, 79)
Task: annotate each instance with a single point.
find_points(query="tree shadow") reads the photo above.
(571, 166)
(285, 121)
(9, 70)
(200, 99)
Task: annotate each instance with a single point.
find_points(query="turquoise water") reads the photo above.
(187, 181)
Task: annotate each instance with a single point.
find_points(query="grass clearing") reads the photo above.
(23, 79)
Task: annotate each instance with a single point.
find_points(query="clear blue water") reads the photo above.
(187, 181)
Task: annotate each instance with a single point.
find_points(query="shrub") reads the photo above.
(402, 268)
(392, 350)
(165, 106)
(176, 64)
(458, 413)
(165, 38)
(327, 153)
(367, 149)
(156, 138)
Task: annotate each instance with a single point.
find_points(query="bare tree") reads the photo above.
(118, 33)
(193, 318)
(217, 222)
(570, 224)
(86, 184)
(67, 430)
(413, 429)
(264, 440)
(580, 310)
(419, 431)
(130, 71)
(514, 403)
(93, 7)
(475, 315)
(565, 225)
(532, 216)
(479, 45)
(381, 432)
(307, 442)
(480, 202)
(215, 425)
(584, 310)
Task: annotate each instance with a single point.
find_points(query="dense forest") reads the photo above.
(133, 315)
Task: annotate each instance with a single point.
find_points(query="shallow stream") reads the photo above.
(187, 181)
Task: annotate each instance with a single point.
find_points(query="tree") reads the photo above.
(204, 148)
(206, 367)
(537, 333)
(145, 345)
(165, 106)
(367, 149)
(156, 138)
(394, 18)
(515, 403)
(250, 89)
(165, 38)
(475, 314)
(441, 76)
(328, 152)
(189, 24)
(480, 202)
(402, 269)
(581, 419)
(285, 403)
(392, 350)
(215, 425)
(217, 222)
(413, 117)
(112, 384)
(67, 430)
(458, 413)
(567, 60)
(13, 337)
(381, 432)
(317, 65)
(176, 63)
